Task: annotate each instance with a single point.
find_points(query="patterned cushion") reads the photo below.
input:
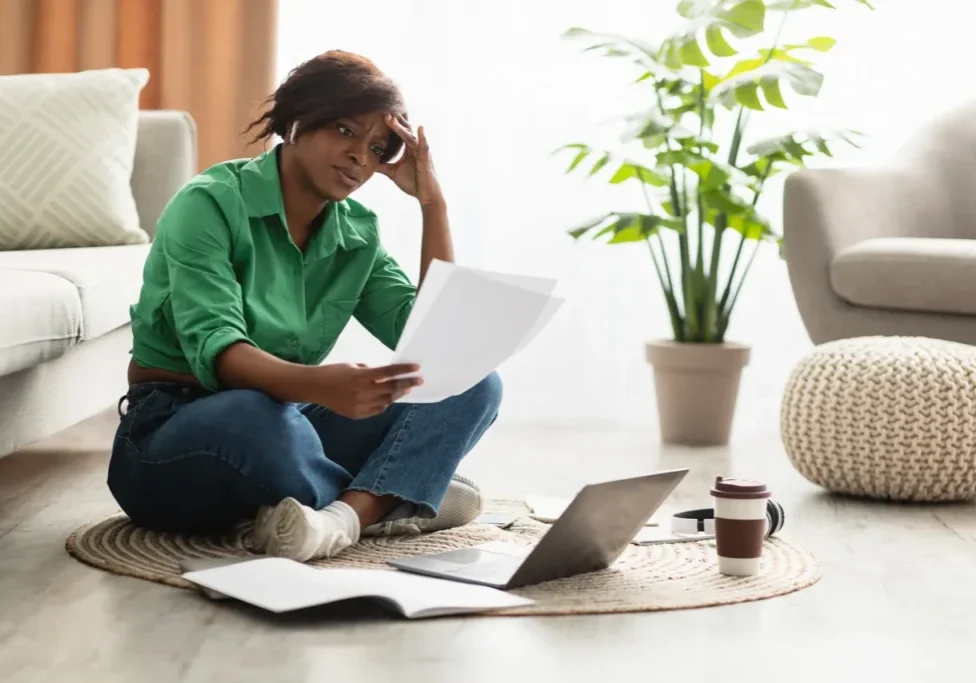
(885, 417)
(67, 144)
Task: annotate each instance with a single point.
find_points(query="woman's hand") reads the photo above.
(414, 172)
(357, 391)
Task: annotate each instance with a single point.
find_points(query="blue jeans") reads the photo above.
(198, 462)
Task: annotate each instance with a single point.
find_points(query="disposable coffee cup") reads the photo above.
(740, 525)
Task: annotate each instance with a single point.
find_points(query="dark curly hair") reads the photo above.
(334, 85)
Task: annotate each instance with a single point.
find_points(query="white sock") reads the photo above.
(300, 533)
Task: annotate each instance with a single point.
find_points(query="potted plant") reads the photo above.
(701, 195)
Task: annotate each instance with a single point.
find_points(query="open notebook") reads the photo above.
(280, 585)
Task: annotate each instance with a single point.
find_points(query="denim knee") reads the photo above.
(268, 442)
(488, 393)
(485, 397)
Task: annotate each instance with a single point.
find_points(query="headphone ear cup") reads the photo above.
(775, 517)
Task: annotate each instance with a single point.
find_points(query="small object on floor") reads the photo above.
(740, 525)
(699, 525)
(462, 504)
(502, 521)
(547, 510)
(281, 585)
(299, 533)
(590, 535)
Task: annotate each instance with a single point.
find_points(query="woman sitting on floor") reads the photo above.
(256, 268)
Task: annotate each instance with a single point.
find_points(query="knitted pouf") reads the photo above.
(885, 417)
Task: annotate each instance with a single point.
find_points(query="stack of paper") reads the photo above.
(466, 322)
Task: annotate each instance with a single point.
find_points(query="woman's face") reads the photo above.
(339, 158)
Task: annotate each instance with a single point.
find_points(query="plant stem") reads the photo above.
(727, 313)
(664, 252)
(680, 211)
(688, 274)
(701, 134)
(742, 240)
(673, 314)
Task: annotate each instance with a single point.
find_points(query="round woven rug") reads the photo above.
(644, 579)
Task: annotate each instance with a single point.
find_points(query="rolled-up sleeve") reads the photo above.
(205, 295)
(386, 300)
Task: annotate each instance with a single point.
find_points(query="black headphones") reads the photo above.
(695, 522)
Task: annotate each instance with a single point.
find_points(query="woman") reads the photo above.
(256, 267)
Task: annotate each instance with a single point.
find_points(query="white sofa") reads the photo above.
(64, 313)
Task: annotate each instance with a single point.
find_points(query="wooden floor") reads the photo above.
(897, 601)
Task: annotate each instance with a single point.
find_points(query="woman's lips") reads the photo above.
(346, 178)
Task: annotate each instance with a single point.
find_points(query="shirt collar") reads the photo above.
(261, 190)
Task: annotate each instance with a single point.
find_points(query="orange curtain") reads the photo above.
(212, 58)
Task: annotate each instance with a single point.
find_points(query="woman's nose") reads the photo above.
(358, 154)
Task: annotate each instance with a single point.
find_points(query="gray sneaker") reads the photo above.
(262, 528)
(462, 505)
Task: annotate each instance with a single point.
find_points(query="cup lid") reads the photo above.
(739, 488)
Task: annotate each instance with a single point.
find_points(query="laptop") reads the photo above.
(590, 535)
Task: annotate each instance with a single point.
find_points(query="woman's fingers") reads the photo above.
(401, 128)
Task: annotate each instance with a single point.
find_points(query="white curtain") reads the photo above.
(498, 90)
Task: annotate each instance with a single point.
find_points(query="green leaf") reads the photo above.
(772, 94)
(646, 175)
(600, 163)
(748, 96)
(710, 80)
(711, 172)
(818, 43)
(741, 18)
(616, 45)
(778, 55)
(719, 200)
(741, 88)
(741, 67)
(791, 147)
(625, 227)
(581, 230)
(790, 5)
(691, 54)
(578, 159)
(717, 43)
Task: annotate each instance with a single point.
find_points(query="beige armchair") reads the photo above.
(892, 250)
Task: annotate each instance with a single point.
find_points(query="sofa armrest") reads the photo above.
(827, 211)
(166, 158)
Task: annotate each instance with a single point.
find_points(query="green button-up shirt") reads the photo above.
(224, 269)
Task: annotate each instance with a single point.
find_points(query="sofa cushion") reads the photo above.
(41, 316)
(929, 275)
(67, 146)
(108, 279)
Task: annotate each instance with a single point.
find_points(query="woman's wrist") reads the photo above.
(435, 205)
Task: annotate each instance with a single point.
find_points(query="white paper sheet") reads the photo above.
(280, 585)
(548, 509)
(466, 323)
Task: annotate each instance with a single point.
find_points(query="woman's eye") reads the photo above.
(378, 150)
(344, 130)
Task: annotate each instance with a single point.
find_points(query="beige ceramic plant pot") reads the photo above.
(697, 386)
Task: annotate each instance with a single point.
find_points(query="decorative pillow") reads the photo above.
(67, 146)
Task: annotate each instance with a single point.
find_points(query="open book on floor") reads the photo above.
(280, 585)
